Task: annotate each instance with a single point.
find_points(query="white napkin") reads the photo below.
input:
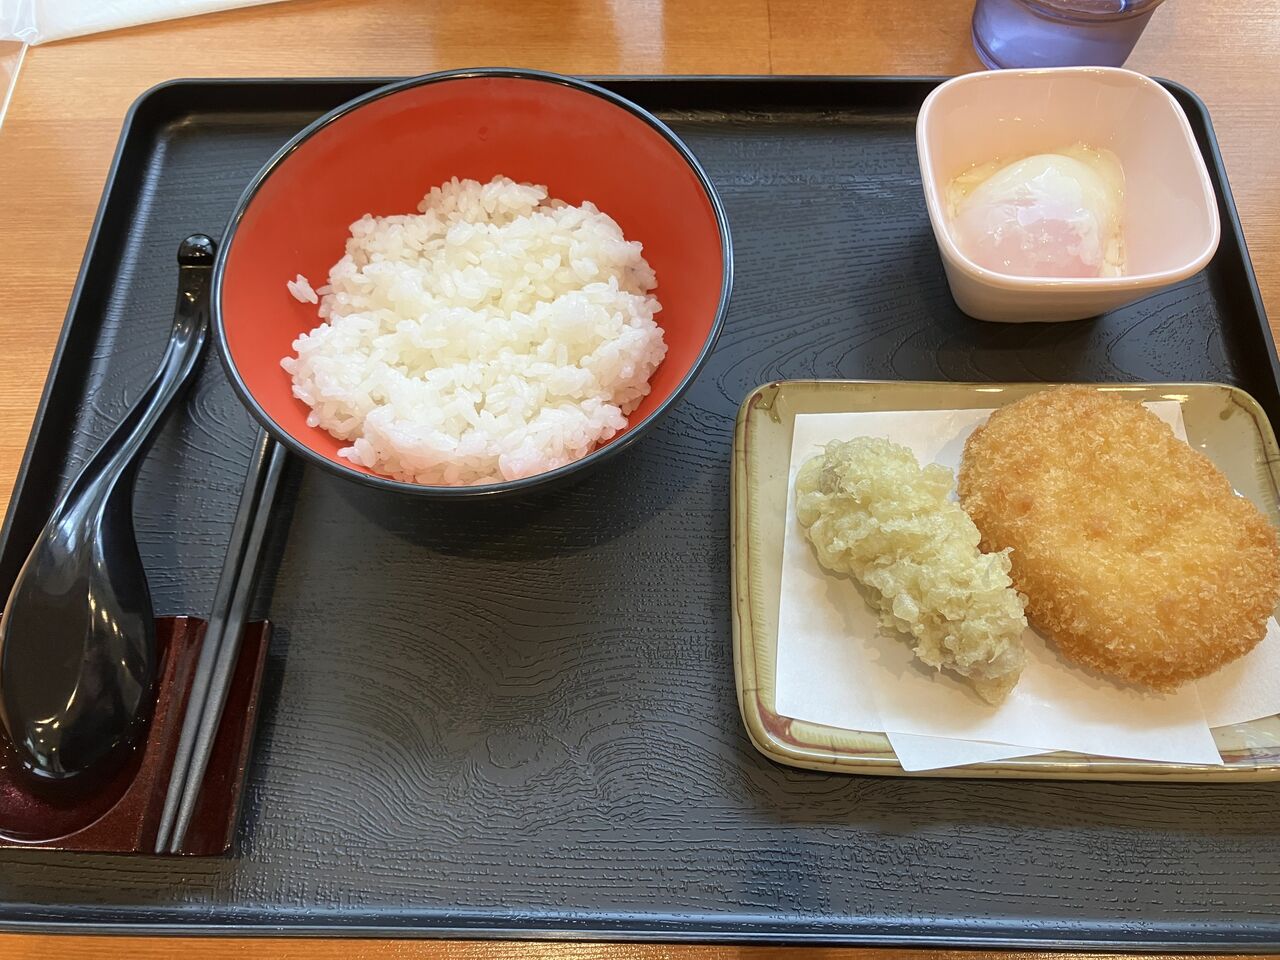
(39, 21)
(836, 667)
(933, 753)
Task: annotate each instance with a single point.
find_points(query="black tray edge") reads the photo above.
(40, 417)
(1189, 100)
(155, 105)
(1266, 942)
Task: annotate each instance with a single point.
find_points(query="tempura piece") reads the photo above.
(1135, 554)
(872, 512)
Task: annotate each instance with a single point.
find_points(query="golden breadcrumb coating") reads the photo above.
(1134, 553)
(872, 512)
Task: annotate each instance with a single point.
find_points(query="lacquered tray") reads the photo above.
(519, 719)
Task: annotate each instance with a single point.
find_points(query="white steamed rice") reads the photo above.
(496, 335)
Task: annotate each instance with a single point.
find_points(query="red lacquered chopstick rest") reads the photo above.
(122, 813)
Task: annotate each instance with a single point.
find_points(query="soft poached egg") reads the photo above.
(1048, 215)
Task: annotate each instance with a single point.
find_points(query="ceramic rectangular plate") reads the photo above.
(1224, 423)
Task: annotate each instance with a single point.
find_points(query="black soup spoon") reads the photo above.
(77, 639)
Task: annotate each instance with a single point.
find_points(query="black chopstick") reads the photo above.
(222, 635)
(229, 649)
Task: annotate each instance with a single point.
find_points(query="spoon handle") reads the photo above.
(119, 454)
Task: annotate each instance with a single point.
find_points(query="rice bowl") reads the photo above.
(378, 153)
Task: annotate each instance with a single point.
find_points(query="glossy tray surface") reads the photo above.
(520, 718)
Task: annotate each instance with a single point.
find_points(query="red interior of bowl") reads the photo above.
(383, 157)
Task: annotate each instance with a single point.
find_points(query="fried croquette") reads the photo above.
(872, 512)
(1135, 555)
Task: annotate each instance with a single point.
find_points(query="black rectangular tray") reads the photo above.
(518, 719)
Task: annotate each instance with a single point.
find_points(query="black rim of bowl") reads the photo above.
(507, 486)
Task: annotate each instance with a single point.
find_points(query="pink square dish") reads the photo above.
(1170, 214)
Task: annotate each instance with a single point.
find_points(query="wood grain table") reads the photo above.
(57, 141)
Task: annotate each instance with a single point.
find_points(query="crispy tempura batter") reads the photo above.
(1135, 554)
(871, 511)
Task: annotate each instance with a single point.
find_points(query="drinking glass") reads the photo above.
(1058, 33)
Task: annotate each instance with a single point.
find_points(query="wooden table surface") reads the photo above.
(57, 142)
